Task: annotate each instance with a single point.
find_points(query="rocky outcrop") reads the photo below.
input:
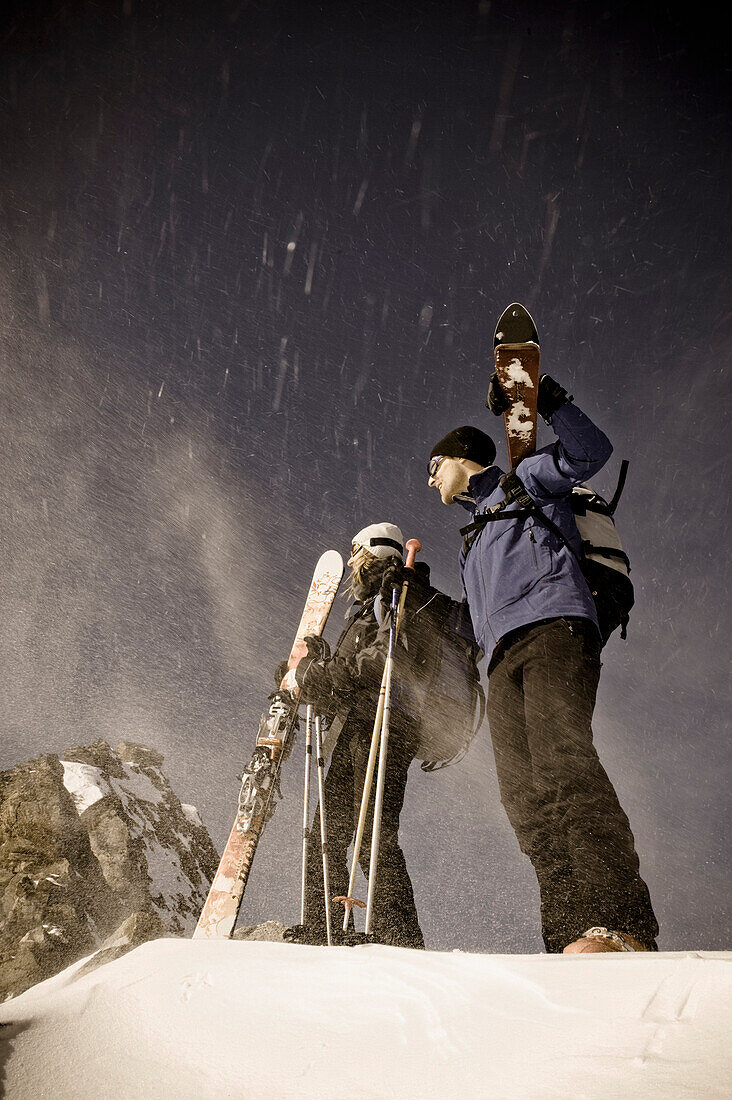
(272, 931)
(56, 903)
(154, 852)
(87, 842)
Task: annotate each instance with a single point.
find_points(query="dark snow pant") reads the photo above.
(395, 914)
(559, 800)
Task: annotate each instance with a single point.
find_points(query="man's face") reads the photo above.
(449, 476)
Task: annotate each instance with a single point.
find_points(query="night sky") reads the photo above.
(251, 260)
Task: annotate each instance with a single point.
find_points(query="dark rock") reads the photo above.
(98, 755)
(54, 899)
(272, 931)
(133, 753)
(120, 852)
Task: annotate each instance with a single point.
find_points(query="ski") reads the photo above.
(517, 357)
(260, 780)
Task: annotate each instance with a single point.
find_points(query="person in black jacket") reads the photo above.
(344, 688)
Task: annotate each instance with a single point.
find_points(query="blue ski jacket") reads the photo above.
(518, 572)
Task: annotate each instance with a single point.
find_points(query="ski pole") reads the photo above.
(396, 613)
(349, 901)
(306, 808)
(413, 547)
(323, 828)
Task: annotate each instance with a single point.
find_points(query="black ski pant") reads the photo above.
(395, 914)
(558, 797)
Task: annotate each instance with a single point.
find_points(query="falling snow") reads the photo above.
(252, 261)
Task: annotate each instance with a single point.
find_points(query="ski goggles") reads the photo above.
(433, 465)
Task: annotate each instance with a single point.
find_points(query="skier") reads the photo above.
(344, 688)
(535, 619)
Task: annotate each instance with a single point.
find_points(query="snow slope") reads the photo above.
(263, 1021)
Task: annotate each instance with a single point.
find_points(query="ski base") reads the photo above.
(517, 366)
(517, 357)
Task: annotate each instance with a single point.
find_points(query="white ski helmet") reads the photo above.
(383, 540)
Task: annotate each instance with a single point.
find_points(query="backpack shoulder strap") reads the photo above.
(515, 491)
(619, 487)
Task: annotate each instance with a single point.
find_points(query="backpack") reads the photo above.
(604, 564)
(453, 701)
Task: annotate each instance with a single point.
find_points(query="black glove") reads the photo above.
(311, 674)
(280, 673)
(391, 578)
(551, 396)
(496, 400)
(317, 647)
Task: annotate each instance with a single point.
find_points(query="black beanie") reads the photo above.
(466, 442)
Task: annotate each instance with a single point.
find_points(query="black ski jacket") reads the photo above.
(347, 683)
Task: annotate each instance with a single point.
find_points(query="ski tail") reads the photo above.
(260, 780)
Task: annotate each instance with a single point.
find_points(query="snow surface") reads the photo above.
(136, 785)
(198, 1019)
(191, 813)
(85, 783)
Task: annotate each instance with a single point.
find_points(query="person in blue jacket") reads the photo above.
(535, 619)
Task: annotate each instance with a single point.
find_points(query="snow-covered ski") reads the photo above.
(517, 357)
(260, 777)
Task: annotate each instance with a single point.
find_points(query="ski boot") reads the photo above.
(314, 936)
(598, 939)
(352, 938)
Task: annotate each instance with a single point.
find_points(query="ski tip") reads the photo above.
(330, 562)
(515, 326)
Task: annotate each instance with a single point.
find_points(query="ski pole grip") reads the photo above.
(413, 548)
